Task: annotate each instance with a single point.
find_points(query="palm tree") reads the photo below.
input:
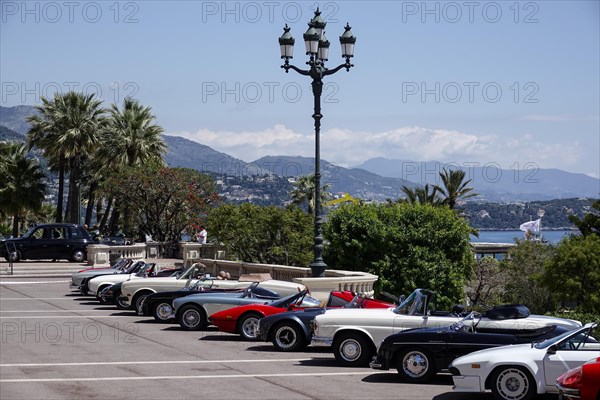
(131, 138)
(67, 131)
(23, 186)
(304, 191)
(455, 187)
(421, 195)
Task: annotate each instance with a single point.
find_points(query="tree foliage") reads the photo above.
(407, 245)
(304, 192)
(573, 274)
(22, 183)
(486, 286)
(524, 266)
(454, 187)
(590, 223)
(269, 235)
(164, 201)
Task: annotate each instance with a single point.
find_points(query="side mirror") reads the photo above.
(552, 349)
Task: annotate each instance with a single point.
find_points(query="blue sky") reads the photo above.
(511, 83)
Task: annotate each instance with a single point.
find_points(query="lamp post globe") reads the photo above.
(317, 48)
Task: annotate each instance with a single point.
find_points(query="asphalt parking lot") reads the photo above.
(57, 344)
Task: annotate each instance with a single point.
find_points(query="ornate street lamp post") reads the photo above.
(317, 48)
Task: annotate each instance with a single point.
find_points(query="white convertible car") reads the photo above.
(355, 333)
(133, 292)
(143, 270)
(520, 372)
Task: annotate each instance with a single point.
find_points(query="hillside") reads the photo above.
(493, 183)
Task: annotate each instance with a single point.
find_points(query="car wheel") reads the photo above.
(162, 311)
(247, 326)
(100, 289)
(78, 256)
(415, 365)
(353, 350)
(191, 318)
(136, 303)
(121, 305)
(512, 383)
(288, 336)
(14, 257)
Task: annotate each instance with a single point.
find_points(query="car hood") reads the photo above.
(496, 354)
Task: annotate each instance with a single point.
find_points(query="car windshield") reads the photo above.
(415, 304)
(193, 272)
(466, 324)
(580, 337)
(29, 232)
(144, 269)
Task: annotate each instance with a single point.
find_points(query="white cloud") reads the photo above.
(349, 148)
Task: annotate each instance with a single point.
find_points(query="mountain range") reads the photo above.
(376, 179)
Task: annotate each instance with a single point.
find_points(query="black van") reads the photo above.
(48, 241)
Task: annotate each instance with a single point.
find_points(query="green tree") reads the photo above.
(268, 235)
(22, 187)
(164, 201)
(454, 187)
(573, 274)
(590, 223)
(131, 138)
(524, 266)
(407, 245)
(67, 131)
(486, 286)
(421, 195)
(304, 192)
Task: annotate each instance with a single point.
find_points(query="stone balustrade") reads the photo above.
(101, 255)
(356, 281)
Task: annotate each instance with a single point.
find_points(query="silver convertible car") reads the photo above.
(354, 334)
(192, 311)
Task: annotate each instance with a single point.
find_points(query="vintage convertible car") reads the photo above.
(244, 319)
(581, 383)
(520, 372)
(144, 270)
(418, 354)
(79, 279)
(160, 305)
(290, 331)
(133, 292)
(355, 333)
(192, 311)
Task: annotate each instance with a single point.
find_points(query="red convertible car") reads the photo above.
(244, 319)
(580, 383)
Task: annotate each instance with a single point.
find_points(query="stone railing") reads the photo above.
(356, 281)
(190, 251)
(99, 255)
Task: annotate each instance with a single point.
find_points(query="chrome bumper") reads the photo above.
(321, 341)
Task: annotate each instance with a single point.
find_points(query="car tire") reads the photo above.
(512, 383)
(120, 305)
(17, 256)
(138, 298)
(415, 365)
(191, 318)
(288, 336)
(353, 349)
(100, 299)
(162, 311)
(247, 326)
(78, 256)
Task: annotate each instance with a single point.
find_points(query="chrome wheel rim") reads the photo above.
(415, 364)
(191, 318)
(285, 337)
(164, 311)
(513, 384)
(350, 350)
(249, 327)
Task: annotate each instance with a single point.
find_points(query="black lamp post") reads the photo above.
(317, 47)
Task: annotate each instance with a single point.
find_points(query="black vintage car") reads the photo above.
(418, 354)
(48, 242)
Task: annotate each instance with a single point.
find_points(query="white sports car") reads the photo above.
(519, 372)
(355, 333)
(133, 292)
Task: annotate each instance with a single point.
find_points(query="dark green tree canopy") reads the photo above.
(407, 245)
(269, 235)
(590, 223)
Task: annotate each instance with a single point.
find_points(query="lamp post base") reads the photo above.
(318, 269)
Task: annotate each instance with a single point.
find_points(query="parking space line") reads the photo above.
(162, 377)
(64, 316)
(30, 282)
(39, 298)
(152, 362)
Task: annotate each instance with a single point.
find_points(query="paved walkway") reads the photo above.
(61, 268)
